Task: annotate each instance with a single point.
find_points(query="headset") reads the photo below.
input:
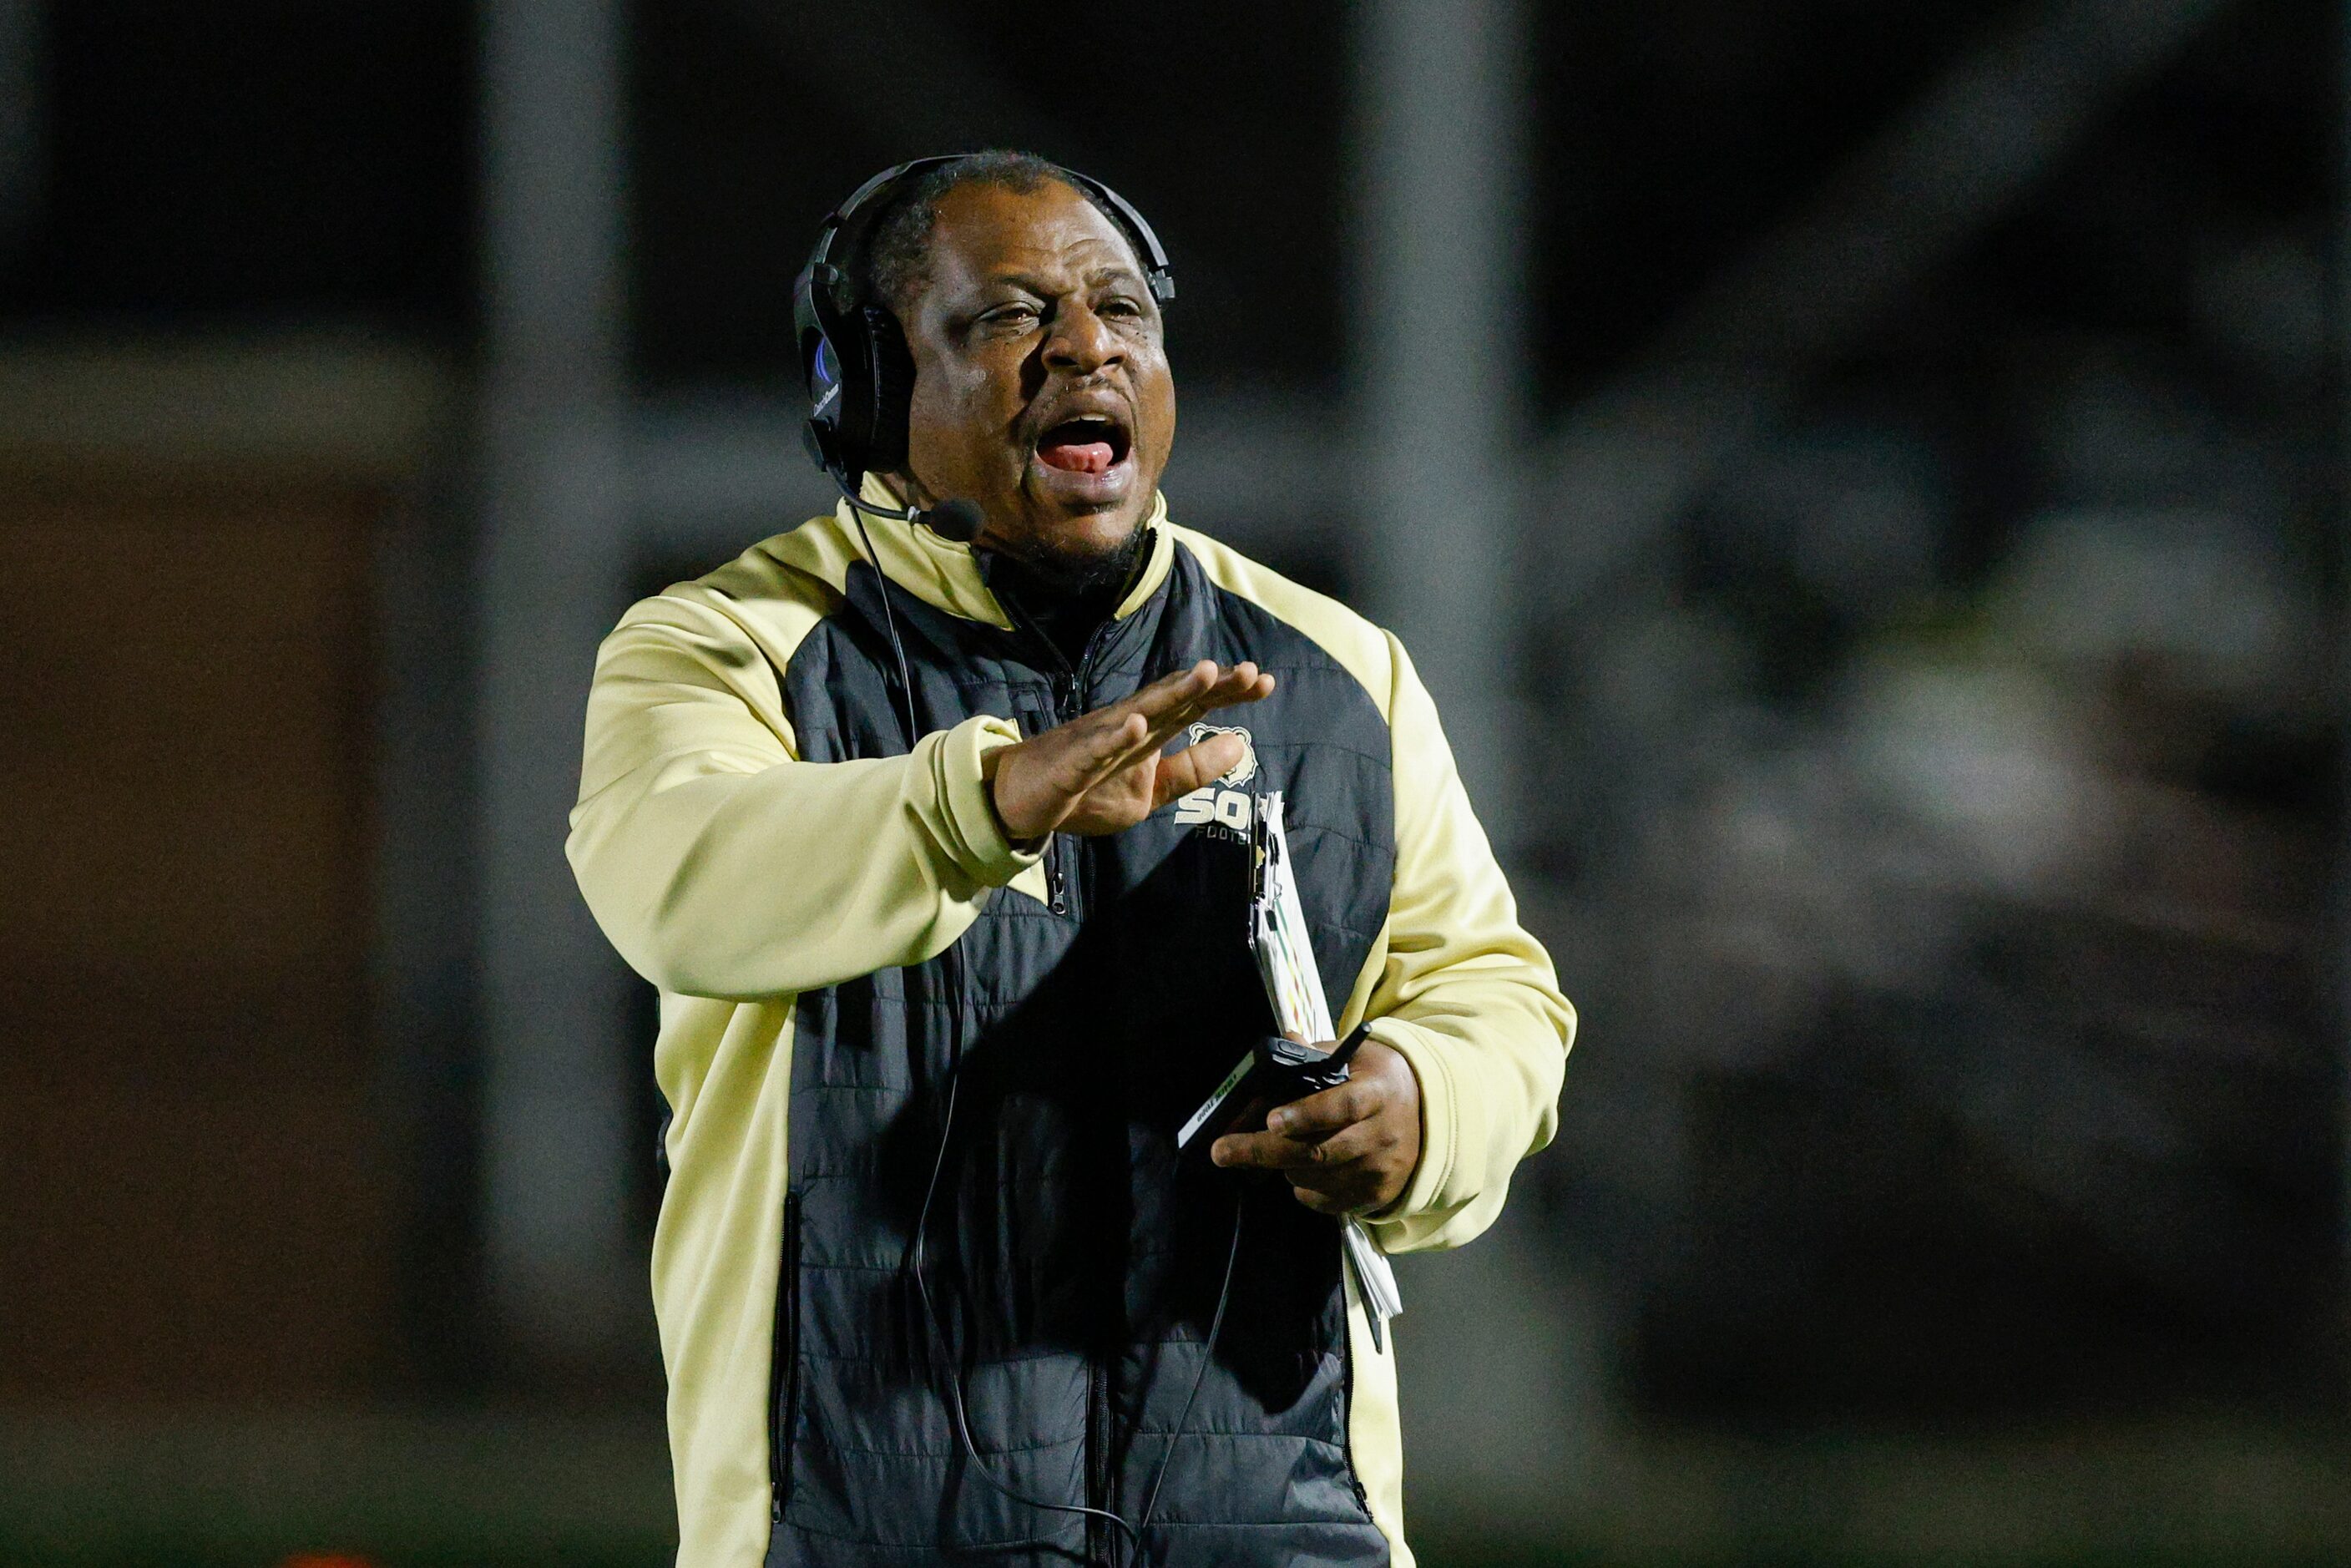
(860, 383)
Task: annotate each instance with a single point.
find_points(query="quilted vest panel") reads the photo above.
(1071, 1262)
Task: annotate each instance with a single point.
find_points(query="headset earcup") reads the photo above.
(892, 365)
(842, 403)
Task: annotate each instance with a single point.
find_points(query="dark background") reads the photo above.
(1934, 812)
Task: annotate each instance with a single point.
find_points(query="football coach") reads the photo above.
(930, 820)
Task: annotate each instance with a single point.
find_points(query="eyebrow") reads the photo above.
(1108, 272)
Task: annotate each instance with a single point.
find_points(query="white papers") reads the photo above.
(1376, 1282)
(1293, 984)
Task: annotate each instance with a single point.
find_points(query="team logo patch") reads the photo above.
(1240, 772)
(1225, 806)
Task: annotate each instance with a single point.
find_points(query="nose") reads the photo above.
(1081, 342)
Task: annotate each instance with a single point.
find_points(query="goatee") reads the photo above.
(1052, 574)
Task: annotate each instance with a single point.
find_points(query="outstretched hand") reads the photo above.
(1102, 771)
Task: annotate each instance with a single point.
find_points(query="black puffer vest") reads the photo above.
(1074, 1261)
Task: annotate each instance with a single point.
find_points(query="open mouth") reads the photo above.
(1088, 444)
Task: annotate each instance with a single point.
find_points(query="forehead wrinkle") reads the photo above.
(1046, 244)
(1049, 251)
(1046, 287)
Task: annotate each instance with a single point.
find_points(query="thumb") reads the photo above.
(1195, 767)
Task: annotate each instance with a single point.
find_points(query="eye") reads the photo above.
(1122, 304)
(1016, 315)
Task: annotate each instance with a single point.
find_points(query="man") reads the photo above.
(950, 942)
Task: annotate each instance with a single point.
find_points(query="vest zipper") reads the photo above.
(1097, 1459)
(1035, 719)
(1057, 892)
(1069, 702)
(1065, 856)
(1072, 690)
(783, 1363)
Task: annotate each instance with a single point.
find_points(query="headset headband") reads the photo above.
(854, 216)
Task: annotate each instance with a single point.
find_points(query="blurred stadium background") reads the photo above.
(1864, 481)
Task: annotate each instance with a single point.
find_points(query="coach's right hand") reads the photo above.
(1102, 771)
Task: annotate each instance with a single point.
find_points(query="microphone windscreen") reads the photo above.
(957, 520)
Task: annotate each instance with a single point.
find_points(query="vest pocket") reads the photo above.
(783, 1360)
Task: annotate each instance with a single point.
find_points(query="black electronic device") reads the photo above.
(1275, 1072)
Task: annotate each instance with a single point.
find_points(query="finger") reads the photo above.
(1166, 707)
(1195, 767)
(1170, 692)
(1153, 740)
(1263, 1152)
(1166, 719)
(1193, 691)
(1318, 1116)
(1351, 1189)
(1240, 685)
(1095, 752)
(1175, 701)
(1359, 1197)
(1358, 1144)
(1255, 689)
(1273, 1152)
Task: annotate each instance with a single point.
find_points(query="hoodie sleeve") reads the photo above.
(1466, 995)
(720, 865)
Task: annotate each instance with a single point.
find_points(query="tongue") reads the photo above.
(1077, 456)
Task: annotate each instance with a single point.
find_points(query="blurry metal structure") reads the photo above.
(557, 1139)
(1625, 467)
(23, 155)
(1439, 359)
(424, 952)
(1631, 459)
(2341, 996)
(1632, 465)
(1500, 1414)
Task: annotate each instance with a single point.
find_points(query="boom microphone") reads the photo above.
(959, 521)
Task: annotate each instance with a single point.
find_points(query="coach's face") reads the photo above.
(1041, 389)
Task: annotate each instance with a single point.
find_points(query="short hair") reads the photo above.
(898, 252)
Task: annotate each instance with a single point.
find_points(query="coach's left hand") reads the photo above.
(1348, 1150)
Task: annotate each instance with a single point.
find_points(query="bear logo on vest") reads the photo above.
(1224, 807)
